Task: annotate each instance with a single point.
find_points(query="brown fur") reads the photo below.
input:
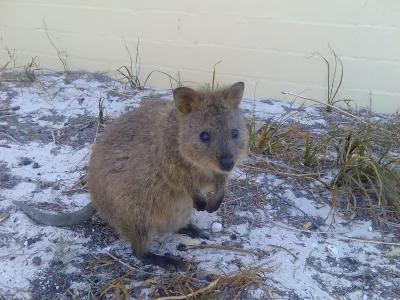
(150, 168)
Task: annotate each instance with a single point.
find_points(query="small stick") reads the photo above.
(222, 247)
(283, 248)
(14, 108)
(121, 262)
(339, 236)
(11, 138)
(299, 209)
(54, 138)
(4, 218)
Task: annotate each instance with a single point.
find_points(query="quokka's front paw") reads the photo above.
(214, 203)
(199, 202)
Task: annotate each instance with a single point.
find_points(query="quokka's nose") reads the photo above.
(226, 163)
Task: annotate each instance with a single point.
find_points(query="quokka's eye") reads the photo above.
(235, 133)
(205, 136)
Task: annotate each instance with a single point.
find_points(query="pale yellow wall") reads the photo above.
(257, 40)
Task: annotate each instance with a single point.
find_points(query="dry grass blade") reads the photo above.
(4, 218)
(193, 294)
(235, 285)
(62, 55)
(222, 247)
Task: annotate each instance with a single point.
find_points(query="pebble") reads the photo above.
(74, 139)
(35, 165)
(4, 177)
(333, 250)
(182, 247)
(24, 161)
(241, 229)
(216, 227)
(36, 260)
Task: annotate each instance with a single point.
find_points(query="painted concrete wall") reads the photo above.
(265, 41)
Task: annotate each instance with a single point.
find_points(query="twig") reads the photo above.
(222, 247)
(54, 138)
(11, 138)
(14, 108)
(4, 218)
(121, 262)
(287, 250)
(339, 236)
(299, 209)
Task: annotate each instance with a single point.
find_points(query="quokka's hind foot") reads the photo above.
(194, 232)
(165, 262)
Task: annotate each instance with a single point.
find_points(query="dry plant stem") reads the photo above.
(334, 107)
(287, 250)
(213, 78)
(11, 138)
(63, 60)
(14, 108)
(121, 262)
(302, 211)
(199, 291)
(222, 247)
(4, 218)
(339, 236)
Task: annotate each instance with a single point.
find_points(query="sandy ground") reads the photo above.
(44, 148)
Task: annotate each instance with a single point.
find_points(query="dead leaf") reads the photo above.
(191, 242)
(308, 225)
(393, 252)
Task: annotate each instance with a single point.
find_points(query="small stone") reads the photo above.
(24, 161)
(33, 240)
(370, 228)
(216, 227)
(333, 250)
(35, 165)
(201, 275)
(4, 177)
(233, 236)
(13, 127)
(74, 138)
(36, 261)
(205, 276)
(241, 229)
(182, 247)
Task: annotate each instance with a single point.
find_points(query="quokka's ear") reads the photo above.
(234, 94)
(186, 99)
